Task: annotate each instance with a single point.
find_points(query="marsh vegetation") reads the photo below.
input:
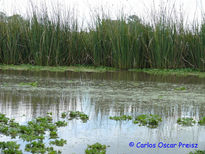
(126, 42)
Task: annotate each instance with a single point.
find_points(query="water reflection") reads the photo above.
(101, 95)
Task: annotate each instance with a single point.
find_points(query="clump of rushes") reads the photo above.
(202, 121)
(34, 133)
(198, 152)
(123, 117)
(63, 115)
(186, 121)
(33, 84)
(60, 142)
(78, 114)
(10, 147)
(151, 121)
(96, 148)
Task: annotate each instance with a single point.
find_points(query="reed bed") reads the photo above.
(128, 42)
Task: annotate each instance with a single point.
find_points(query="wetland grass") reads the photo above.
(125, 43)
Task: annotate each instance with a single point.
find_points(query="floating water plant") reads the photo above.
(78, 114)
(180, 88)
(96, 148)
(198, 152)
(53, 135)
(61, 123)
(123, 117)
(34, 133)
(63, 115)
(186, 121)
(151, 121)
(60, 142)
(202, 121)
(33, 84)
(10, 147)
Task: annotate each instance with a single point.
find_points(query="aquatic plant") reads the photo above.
(123, 117)
(78, 114)
(53, 135)
(10, 147)
(151, 121)
(180, 88)
(63, 115)
(202, 121)
(186, 121)
(60, 142)
(33, 84)
(61, 123)
(198, 152)
(34, 132)
(96, 148)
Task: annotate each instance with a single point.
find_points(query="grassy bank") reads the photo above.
(128, 42)
(177, 72)
(57, 68)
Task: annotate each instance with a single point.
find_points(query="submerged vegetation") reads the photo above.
(125, 43)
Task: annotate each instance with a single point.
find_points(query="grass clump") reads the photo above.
(202, 121)
(96, 148)
(186, 121)
(78, 114)
(151, 121)
(198, 152)
(123, 117)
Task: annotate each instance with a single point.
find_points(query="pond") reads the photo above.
(101, 95)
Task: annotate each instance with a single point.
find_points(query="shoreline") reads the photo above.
(102, 69)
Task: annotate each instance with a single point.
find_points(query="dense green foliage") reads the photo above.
(123, 117)
(96, 148)
(33, 133)
(151, 121)
(186, 121)
(198, 152)
(128, 42)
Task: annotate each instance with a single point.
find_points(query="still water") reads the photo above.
(101, 95)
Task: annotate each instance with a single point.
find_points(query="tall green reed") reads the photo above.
(127, 42)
